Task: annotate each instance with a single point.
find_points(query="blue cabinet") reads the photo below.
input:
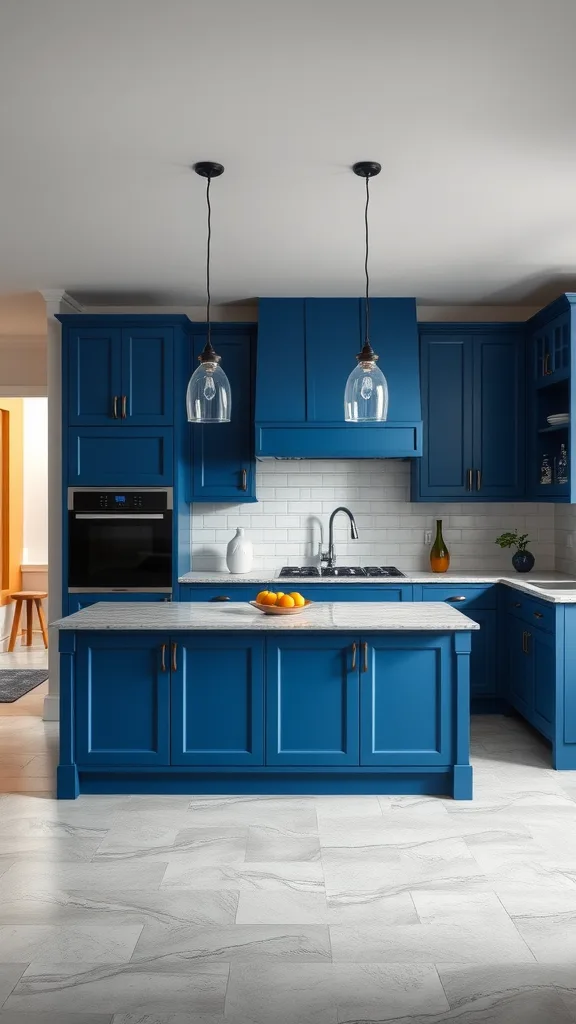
(542, 651)
(118, 372)
(313, 591)
(312, 700)
(479, 603)
(306, 350)
(520, 667)
(217, 700)
(406, 700)
(117, 457)
(76, 602)
(122, 700)
(473, 397)
(222, 454)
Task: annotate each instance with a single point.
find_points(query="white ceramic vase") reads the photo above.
(239, 553)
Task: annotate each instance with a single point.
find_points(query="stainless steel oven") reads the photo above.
(120, 540)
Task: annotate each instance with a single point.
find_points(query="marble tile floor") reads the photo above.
(291, 910)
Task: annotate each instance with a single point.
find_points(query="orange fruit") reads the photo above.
(269, 598)
(279, 594)
(286, 601)
(299, 601)
(260, 597)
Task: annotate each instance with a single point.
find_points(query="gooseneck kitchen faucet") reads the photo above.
(329, 556)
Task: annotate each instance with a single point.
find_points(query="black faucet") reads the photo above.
(329, 557)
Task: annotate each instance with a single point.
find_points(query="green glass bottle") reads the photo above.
(439, 555)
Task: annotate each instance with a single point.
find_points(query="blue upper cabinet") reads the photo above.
(551, 391)
(473, 391)
(119, 370)
(222, 466)
(306, 350)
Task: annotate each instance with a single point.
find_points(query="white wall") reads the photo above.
(295, 496)
(35, 547)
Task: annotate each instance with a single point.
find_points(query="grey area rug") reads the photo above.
(15, 682)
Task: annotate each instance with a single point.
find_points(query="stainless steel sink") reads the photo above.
(554, 585)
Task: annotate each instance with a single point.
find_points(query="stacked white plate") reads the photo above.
(558, 419)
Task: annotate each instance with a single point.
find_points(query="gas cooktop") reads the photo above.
(354, 571)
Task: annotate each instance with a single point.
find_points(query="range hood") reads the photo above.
(306, 349)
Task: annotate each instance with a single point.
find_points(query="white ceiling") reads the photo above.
(468, 104)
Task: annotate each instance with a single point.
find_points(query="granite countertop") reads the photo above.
(511, 579)
(344, 616)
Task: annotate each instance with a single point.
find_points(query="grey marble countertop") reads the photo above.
(344, 616)
(512, 579)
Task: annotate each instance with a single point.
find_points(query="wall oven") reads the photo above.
(120, 540)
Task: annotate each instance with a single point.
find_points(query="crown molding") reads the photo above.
(60, 295)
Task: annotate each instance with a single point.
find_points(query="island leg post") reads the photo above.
(67, 783)
(462, 787)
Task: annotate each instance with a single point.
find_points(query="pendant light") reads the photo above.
(208, 397)
(366, 393)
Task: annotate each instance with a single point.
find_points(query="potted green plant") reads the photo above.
(522, 559)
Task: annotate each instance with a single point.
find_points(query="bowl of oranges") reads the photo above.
(272, 603)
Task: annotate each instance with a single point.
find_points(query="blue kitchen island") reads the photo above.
(344, 698)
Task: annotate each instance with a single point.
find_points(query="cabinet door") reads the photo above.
(217, 700)
(483, 671)
(520, 667)
(498, 430)
(122, 700)
(446, 370)
(76, 602)
(94, 375)
(312, 700)
(405, 700)
(223, 467)
(117, 456)
(542, 651)
(148, 376)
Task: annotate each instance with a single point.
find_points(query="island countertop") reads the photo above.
(343, 616)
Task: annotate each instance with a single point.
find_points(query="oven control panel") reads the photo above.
(120, 501)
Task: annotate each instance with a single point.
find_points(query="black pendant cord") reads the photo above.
(367, 250)
(208, 247)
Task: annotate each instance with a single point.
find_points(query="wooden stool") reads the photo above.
(32, 597)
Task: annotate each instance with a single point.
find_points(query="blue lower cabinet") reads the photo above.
(312, 700)
(542, 649)
(520, 667)
(120, 456)
(406, 702)
(313, 591)
(483, 663)
(122, 698)
(76, 602)
(217, 700)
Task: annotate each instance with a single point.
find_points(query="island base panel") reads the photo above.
(453, 782)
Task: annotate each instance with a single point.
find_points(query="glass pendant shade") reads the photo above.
(366, 394)
(208, 396)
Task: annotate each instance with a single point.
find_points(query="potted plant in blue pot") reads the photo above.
(522, 560)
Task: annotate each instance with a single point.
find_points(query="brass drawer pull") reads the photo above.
(365, 657)
(244, 484)
(538, 615)
(454, 599)
(123, 407)
(115, 407)
(353, 656)
(174, 662)
(163, 662)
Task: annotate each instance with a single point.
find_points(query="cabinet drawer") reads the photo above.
(531, 611)
(314, 591)
(473, 597)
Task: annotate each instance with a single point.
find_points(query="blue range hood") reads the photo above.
(306, 349)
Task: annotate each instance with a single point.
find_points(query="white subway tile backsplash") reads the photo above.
(296, 498)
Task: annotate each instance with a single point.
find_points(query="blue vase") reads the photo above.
(523, 561)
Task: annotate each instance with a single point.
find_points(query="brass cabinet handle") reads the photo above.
(163, 662)
(174, 662)
(115, 407)
(538, 615)
(478, 479)
(353, 656)
(469, 480)
(244, 484)
(123, 407)
(453, 600)
(365, 657)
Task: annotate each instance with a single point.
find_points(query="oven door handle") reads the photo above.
(118, 515)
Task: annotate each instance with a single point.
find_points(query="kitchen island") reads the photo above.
(219, 698)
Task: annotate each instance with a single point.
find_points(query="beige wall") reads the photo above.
(22, 343)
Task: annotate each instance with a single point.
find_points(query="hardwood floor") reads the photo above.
(28, 745)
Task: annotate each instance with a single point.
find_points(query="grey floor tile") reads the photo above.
(282, 943)
(137, 987)
(290, 812)
(275, 842)
(274, 876)
(10, 974)
(505, 994)
(371, 908)
(282, 908)
(39, 877)
(104, 943)
(9, 1017)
